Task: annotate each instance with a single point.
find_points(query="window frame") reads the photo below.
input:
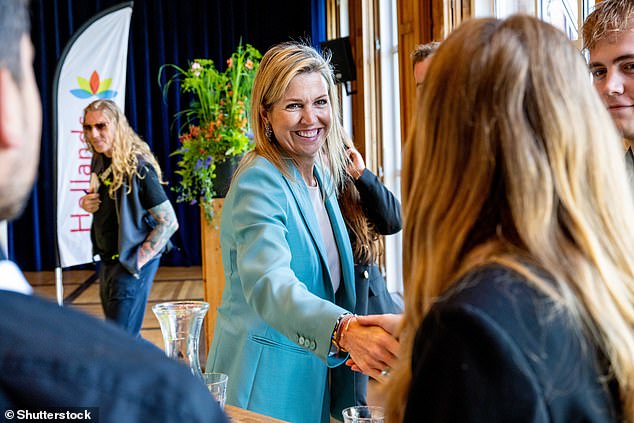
(491, 8)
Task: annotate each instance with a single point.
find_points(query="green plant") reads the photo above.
(216, 125)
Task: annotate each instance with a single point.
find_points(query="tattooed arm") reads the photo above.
(166, 226)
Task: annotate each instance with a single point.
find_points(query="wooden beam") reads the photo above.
(213, 271)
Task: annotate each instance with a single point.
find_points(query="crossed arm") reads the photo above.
(159, 236)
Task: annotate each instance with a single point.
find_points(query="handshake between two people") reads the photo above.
(372, 342)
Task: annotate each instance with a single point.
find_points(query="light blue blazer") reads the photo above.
(274, 325)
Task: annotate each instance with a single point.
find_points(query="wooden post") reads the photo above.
(213, 272)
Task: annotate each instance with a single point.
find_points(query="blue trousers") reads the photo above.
(123, 297)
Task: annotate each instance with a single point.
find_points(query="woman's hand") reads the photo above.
(356, 166)
(371, 348)
(90, 202)
(390, 322)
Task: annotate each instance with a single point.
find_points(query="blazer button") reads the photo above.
(366, 274)
(301, 340)
(313, 345)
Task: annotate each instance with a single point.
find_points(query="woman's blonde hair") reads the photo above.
(280, 64)
(128, 147)
(513, 159)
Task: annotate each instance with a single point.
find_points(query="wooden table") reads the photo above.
(240, 415)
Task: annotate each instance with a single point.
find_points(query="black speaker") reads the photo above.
(342, 60)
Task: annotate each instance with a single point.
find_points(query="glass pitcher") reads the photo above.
(181, 322)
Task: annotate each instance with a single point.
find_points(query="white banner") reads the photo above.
(92, 66)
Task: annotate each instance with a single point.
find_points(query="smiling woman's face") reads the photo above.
(302, 118)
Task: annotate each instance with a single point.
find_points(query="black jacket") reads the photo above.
(135, 222)
(383, 211)
(57, 357)
(497, 350)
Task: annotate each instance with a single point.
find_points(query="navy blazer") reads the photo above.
(57, 357)
(495, 349)
(383, 211)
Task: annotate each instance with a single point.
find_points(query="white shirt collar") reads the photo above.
(12, 279)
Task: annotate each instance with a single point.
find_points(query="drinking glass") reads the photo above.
(363, 414)
(217, 385)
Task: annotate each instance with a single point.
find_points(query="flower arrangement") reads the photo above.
(216, 126)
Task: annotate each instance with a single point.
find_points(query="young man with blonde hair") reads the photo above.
(608, 35)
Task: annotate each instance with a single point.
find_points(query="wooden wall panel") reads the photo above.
(415, 26)
(356, 20)
(420, 22)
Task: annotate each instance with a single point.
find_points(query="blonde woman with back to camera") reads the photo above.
(519, 263)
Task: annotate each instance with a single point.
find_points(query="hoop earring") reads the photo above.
(268, 132)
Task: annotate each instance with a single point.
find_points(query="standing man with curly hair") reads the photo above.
(133, 219)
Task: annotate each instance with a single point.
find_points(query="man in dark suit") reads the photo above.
(55, 357)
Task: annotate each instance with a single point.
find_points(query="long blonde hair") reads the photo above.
(514, 159)
(280, 64)
(128, 147)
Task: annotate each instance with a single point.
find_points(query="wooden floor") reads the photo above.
(170, 284)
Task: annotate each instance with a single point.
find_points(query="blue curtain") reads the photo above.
(162, 31)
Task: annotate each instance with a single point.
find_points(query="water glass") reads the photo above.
(363, 414)
(217, 385)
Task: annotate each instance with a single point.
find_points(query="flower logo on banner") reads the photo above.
(94, 87)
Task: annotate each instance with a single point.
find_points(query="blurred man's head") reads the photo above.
(20, 109)
(608, 34)
(421, 57)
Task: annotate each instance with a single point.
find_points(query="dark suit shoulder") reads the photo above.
(380, 206)
(58, 357)
(505, 351)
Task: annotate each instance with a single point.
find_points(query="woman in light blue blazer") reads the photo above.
(284, 320)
